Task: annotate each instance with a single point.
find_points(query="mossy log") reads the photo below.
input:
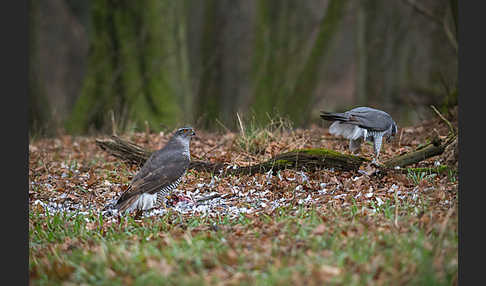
(301, 159)
(125, 150)
(308, 159)
(434, 148)
(305, 159)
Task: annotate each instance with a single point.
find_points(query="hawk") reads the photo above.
(362, 123)
(160, 174)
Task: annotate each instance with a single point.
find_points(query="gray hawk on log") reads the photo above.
(362, 123)
(161, 173)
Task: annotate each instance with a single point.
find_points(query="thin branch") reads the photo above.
(452, 130)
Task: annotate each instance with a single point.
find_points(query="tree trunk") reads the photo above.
(208, 95)
(136, 66)
(299, 100)
(361, 54)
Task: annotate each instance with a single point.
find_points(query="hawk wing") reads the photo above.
(368, 118)
(156, 159)
(158, 172)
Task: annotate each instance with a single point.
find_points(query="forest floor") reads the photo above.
(288, 228)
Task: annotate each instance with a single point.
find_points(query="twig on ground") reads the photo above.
(452, 130)
(400, 139)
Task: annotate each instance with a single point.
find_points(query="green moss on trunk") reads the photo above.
(328, 153)
(134, 67)
(300, 99)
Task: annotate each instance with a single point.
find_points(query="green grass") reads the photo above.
(417, 176)
(282, 248)
(254, 137)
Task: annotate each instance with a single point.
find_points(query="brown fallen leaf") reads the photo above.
(320, 229)
(330, 270)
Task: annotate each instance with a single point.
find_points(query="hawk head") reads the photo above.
(183, 135)
(394, 130)
(186, 132)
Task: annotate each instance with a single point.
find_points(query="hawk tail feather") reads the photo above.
(123, 205)
(144, 201)
(330, 116)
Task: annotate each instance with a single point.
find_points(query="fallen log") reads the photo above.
(301, 159)
(432, 149)
(125, 150)
(306, 159)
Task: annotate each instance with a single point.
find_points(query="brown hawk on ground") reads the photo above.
(160, 174)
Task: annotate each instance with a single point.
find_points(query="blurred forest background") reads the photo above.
(104, 64)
